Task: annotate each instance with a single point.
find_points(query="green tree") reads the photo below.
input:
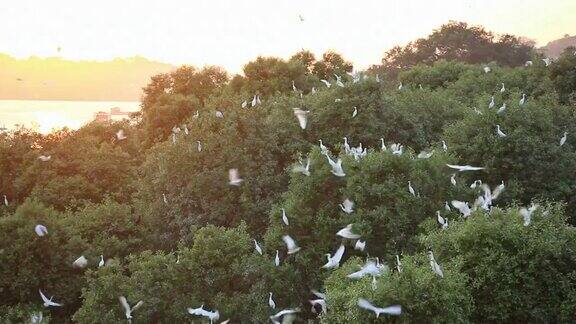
(220, 270)
(457, 41)
(516, 273)
(563, 74)
(424, 297)
(529, 159)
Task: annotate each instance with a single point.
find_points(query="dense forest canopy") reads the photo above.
(225, 193)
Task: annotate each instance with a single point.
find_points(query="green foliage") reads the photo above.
(457, 41)
(424, 297)
(386, 214)
(175, 234)
(30, 262)
(516, 273)
(530, 159)
(219, 271)
(196, 183)
(563, 74)
(84, 167)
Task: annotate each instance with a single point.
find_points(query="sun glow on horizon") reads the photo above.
(51, 121)
(231, 33)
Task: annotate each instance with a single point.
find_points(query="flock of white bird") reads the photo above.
(372, 267)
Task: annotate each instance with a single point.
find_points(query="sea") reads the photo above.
(45, 116)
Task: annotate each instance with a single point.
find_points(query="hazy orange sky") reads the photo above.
(230, 33)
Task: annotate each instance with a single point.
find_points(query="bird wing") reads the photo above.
(392, 310)
(44, 299)
(124, 304)
(363, 303)
(289, 242)
(138, 305)
(459, 204)
(339, 253)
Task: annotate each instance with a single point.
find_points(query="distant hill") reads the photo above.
(54, 78)
(554, 48)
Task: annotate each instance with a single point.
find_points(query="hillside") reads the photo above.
(54, 78)
(556, 47)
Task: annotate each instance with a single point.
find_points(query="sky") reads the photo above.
(230, 33)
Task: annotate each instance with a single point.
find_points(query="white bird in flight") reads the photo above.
(500, 133)
(371, 268)
(336, 167)
(334, 261)
(120, 135)
(80, 263)
(463, 207)
(127, 309)
(300, 168)
(234, 177)
(44, 158)
(302, 116)
(40, 230)
(211, 315)
(287, 316)
(391, 310)
(487, 69)
(328, 84)
(48, 302)
(346, 232)
(290, 244)
(462, 168)
(347, 206)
